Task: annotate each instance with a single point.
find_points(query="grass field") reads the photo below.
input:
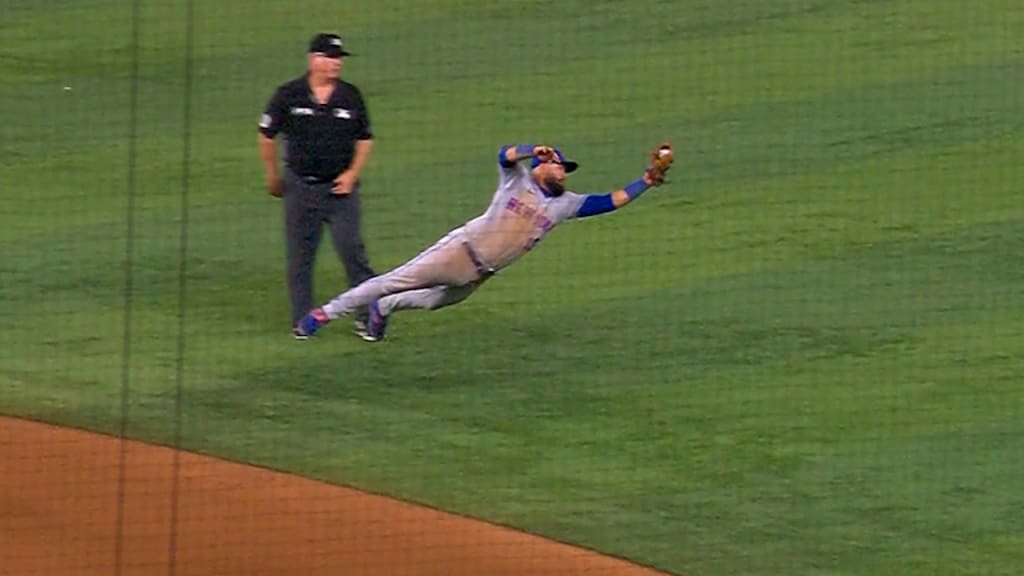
(800, 357)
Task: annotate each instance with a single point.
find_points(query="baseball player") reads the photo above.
(530, 201)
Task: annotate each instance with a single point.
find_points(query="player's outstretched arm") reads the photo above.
(654, 175)
(509, 155)
(595, 204)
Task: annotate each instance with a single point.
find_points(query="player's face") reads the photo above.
(553, 177)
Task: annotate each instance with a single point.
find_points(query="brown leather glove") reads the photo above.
(661, 161)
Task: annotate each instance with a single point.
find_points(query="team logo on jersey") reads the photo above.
(342, 113)
(302, 111)
(538, 218)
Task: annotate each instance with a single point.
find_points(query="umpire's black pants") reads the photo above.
(307, 207)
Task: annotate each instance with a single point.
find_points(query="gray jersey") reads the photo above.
(520, 215)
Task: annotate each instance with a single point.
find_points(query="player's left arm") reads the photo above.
(654, 175)
(595, 204)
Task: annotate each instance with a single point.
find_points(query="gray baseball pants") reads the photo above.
(307, 207)
(439, 276)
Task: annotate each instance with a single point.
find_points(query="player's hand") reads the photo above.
(344, 183)
(275, 187)
(661, 161)
(544, 153)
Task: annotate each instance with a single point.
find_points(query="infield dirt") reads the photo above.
(74, 502)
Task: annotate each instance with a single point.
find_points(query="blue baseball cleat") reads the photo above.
(376, 325)
(310, 323)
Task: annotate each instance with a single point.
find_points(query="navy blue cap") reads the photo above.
(570, 165)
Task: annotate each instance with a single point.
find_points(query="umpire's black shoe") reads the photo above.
(360, 329)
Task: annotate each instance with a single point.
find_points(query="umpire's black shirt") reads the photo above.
(321, 138)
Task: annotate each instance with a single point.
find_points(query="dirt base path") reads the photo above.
(59, 515)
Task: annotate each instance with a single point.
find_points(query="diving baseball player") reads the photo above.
(528, 204)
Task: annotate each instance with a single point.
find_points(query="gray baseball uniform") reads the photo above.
(519, 216)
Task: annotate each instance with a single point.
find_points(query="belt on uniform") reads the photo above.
(481, 266)
(314, 179)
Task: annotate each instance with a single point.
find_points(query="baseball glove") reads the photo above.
(661, 161)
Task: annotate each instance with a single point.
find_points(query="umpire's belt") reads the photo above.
(314, 180)
(481, 266)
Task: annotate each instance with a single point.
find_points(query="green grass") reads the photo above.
(800, 357)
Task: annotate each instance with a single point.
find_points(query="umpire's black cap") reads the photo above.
(329, 45)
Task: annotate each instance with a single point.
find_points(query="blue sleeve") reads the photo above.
(502, 160)
(522, 150)
(595, 204)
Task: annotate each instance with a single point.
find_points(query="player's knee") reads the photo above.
(389, 285)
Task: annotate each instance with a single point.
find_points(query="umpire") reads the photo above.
(328, 140)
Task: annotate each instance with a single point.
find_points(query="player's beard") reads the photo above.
(554, 187)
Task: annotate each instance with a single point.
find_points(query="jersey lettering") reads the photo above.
(540, 220)
(520, 216)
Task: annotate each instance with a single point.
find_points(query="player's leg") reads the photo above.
(443, 264)
(423, 299)
(426, 299)
(302, 238)
(343, 214)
